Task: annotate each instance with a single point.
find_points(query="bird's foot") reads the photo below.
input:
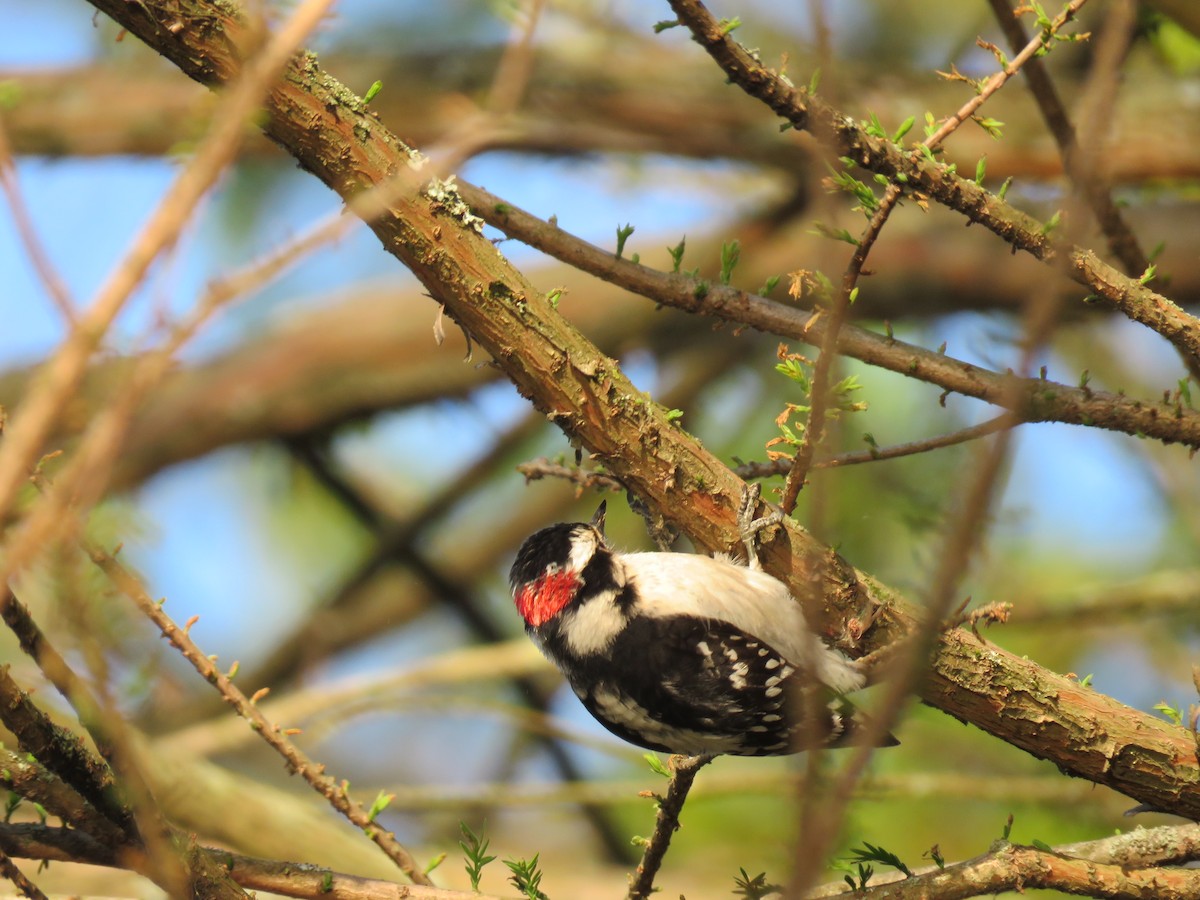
(749, 527)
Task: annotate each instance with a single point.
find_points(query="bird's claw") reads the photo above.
(749, 527)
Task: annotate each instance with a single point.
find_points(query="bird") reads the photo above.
(683, 653)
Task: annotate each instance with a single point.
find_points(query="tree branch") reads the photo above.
(809, 112)
(1034, 399)
(1122, 242)
(1115, 867)
(9, 870)
(297, 762)
(666, 823)
(62, 753)
(287, 879)
(590, 103)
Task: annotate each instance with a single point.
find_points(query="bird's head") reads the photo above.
(555, 565)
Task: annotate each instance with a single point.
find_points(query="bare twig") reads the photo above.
(683, 773)
(54, 385)
(297, 762)
(9, 870)
(1038, 399)
(537, 469)
(884, 157)
(876, 454)
(516, 63)
(1122, 242)
(51, 280)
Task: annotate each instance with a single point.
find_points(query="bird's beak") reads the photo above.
(598, 519)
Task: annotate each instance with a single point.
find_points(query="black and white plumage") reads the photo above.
(683, 653)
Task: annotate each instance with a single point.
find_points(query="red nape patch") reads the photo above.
(540, 601)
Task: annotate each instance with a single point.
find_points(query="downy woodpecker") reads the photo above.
(683, 653)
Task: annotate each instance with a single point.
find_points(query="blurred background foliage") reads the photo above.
(336, 495)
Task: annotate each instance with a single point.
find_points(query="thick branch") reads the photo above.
(62, 753)
(328, 130)
(31, 780)
(1129, 867)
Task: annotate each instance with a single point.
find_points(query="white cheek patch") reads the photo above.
(591, 627)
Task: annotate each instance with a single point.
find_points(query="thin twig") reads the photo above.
(9, 870)
(1040, 400)
(55, 383)
(814, 429)
(683, 773)
(516, 63)
(297, 761)
(807, 111)
(1122, 242)
(57, 289)
(1034, 47)
(115, 738)
(537, 469)
(877, 454)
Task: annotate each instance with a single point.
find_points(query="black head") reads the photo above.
(548, 571)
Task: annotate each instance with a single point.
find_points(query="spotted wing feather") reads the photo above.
(685, 685)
